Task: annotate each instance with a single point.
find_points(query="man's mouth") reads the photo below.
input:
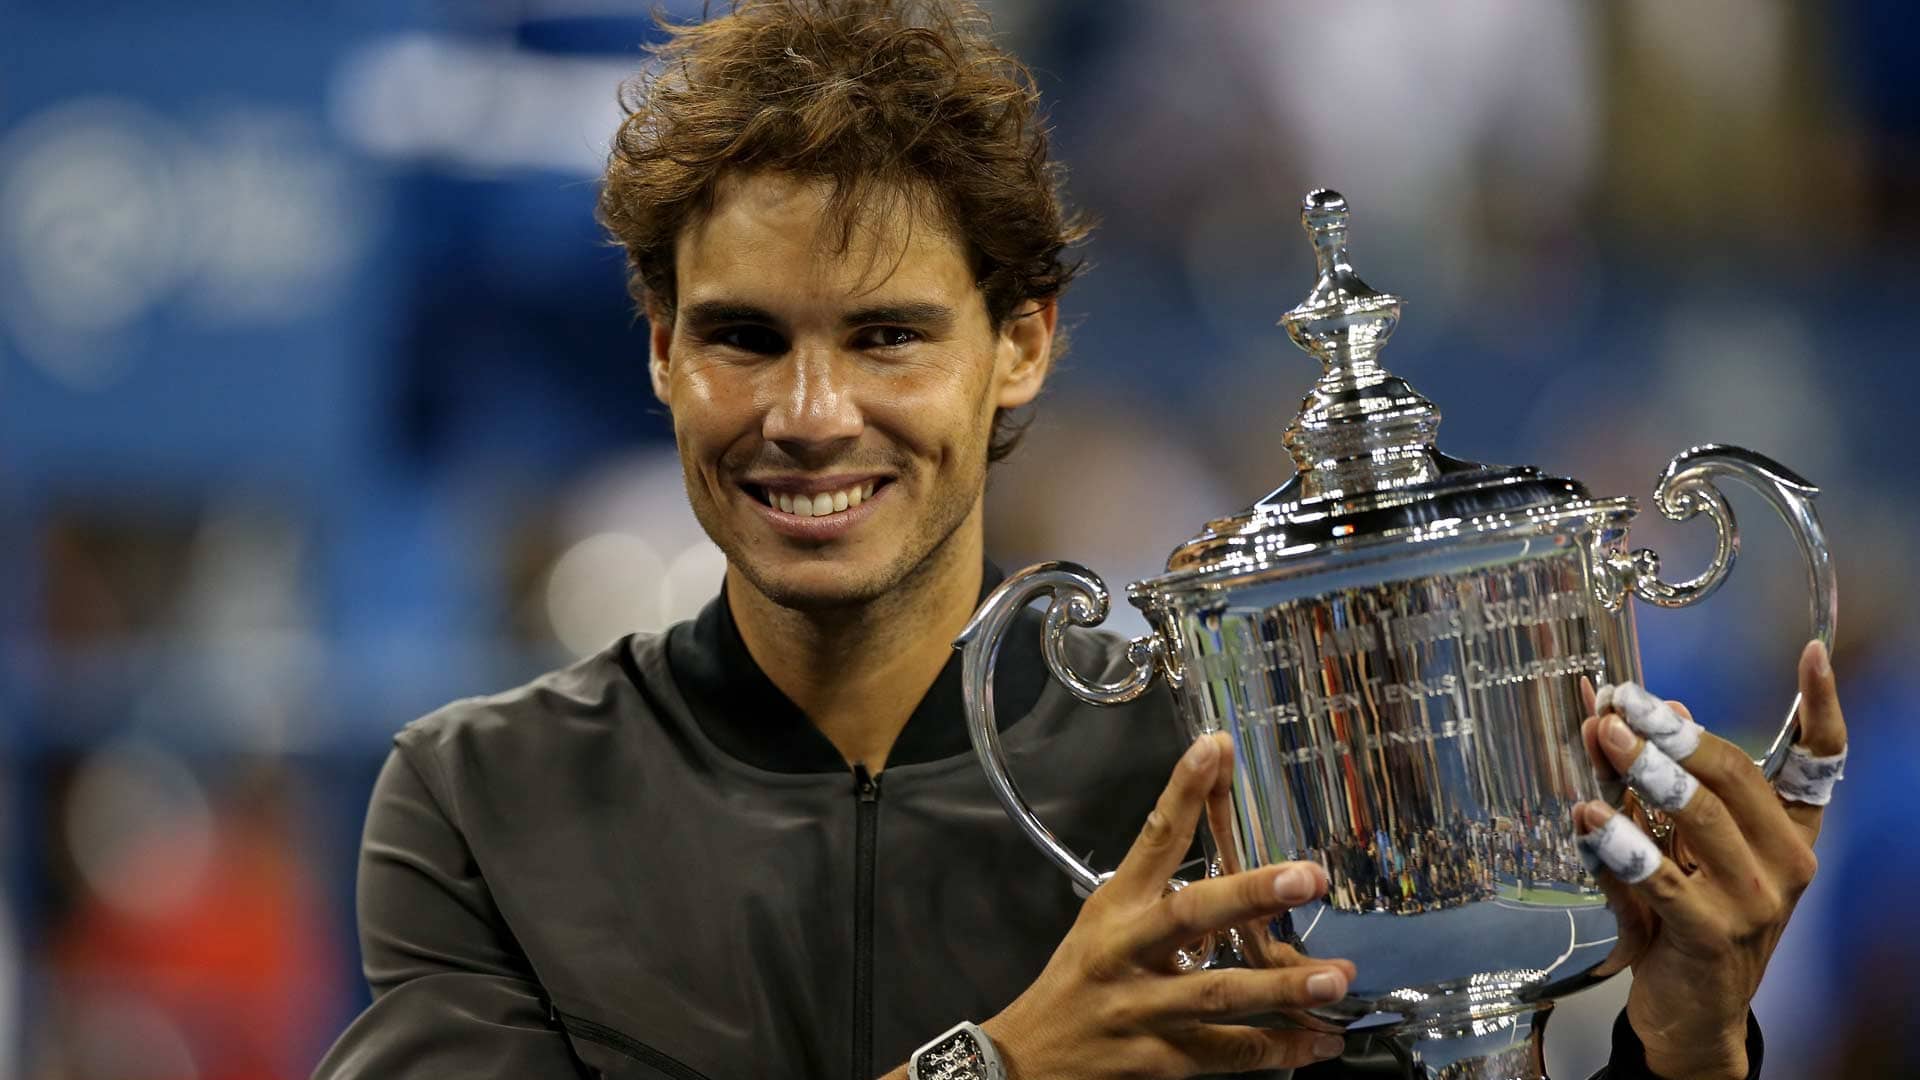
(816, 503)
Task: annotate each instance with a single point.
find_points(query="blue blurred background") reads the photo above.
(322, 403)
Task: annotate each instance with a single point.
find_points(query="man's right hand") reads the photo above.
(1113, 1001)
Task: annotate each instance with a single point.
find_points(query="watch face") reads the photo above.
(957, 1058)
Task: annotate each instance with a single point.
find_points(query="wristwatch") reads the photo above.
(962, 1052)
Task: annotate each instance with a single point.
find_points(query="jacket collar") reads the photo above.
(746, 715)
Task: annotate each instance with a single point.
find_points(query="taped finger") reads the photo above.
(1619, 847)
(1660, 780)
(1674, 733)
(1807, 778)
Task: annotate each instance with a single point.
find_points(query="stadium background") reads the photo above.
(321, 403)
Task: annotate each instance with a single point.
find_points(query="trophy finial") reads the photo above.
(1343, 320)
(1362, 428)
(1323, 213)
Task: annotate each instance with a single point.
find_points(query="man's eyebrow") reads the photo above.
(713, 312)
(906, 313)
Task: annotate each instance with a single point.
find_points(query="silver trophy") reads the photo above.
(1395, 641)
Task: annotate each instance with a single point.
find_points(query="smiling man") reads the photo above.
(758, 844)
(834, 375)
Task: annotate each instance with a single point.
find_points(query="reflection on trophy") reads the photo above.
(1395, 641)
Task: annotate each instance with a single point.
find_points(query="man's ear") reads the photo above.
(659, 342)
(1027, 342)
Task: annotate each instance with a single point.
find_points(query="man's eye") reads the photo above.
(887, 337)
(754, 339)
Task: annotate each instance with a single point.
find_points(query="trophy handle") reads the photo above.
(1686, 489)
(1079, 598)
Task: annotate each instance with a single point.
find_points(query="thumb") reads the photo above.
(1823, 730)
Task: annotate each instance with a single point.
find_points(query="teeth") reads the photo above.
(827, 502)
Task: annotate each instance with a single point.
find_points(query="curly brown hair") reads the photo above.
(871, 96)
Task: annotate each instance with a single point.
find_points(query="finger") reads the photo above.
(1724, 768)
(1616, 846)
(1232, 1049)
(1612, 788)
(1218, 903)
(1588, 696)
(1266, 951)
(1763, 819)
(1633, 921)
(1236, 993)
(1168, 833)
(1823, 732)
(1710, 829)
(1602, 700)
(1672, 729)
(1220, 811)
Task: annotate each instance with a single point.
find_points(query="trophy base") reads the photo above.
(1506, 1047)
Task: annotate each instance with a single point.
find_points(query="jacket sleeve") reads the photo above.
(452, 993)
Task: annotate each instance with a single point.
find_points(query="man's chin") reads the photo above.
(817, 585)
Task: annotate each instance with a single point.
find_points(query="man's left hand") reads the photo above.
(1698, 933)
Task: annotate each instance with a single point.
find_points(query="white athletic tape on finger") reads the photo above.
(1805, 778)
(1657, 721)
(1621, 847)
(1603, 700)
(1660, 780)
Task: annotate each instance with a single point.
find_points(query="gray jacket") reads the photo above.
(649, 864)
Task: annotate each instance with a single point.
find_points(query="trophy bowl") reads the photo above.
(1395, 641)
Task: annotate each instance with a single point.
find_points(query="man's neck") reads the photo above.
(859, 672)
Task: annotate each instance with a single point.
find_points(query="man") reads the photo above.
(758, 844)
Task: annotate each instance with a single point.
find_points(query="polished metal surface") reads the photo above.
(1419, 737)
(1395, 641)
(1080, 598)
(1361, 428)
(1366, 473)
(1685, 490)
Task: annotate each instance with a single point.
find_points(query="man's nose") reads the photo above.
(813, 403)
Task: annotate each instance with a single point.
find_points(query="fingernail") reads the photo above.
(1295, 884)
(1201, 755)
(1822, 661)
(1326, 1046)
(1616, 734)
(1326, 986)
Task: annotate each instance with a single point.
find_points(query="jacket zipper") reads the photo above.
(867, 821)
(633, 1048)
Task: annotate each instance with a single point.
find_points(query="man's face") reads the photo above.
(833, 407)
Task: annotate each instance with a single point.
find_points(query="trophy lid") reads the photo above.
(1365, 466)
